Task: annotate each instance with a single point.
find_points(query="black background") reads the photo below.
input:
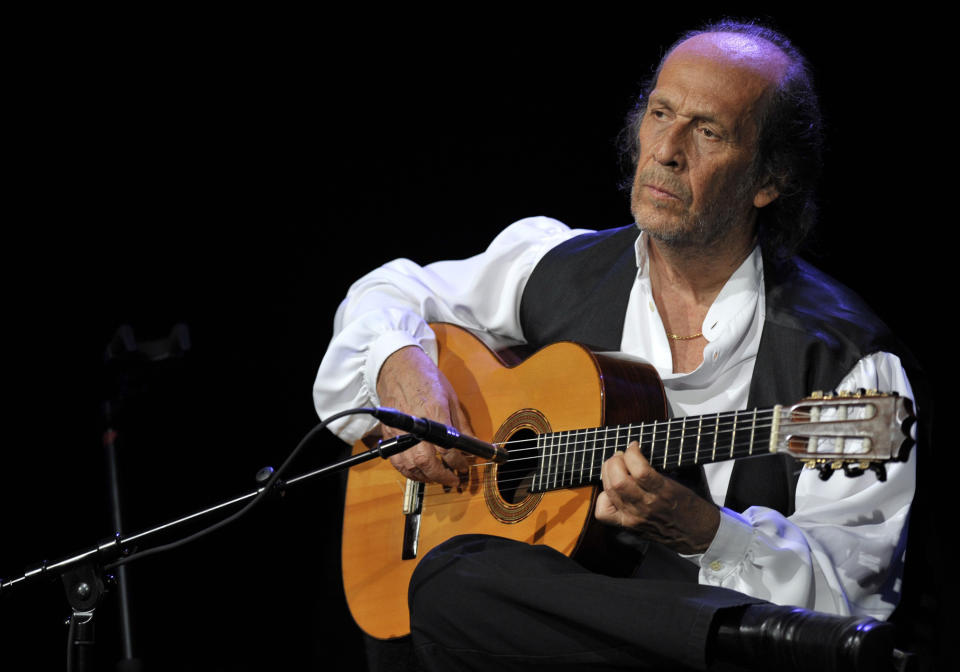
(237, 173)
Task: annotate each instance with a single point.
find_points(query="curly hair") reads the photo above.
(789, 146)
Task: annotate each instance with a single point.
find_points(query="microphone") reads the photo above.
(439, 434)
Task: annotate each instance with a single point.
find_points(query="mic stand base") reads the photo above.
(84, 587)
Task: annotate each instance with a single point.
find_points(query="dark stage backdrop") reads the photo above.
(236, 174)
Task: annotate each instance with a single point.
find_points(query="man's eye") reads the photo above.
(710, 135)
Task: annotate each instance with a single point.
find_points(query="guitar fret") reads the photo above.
(545, 475)
(653, 442)
(578, 447)
(573, 449)
(539, 473)
(603, 449)
(733, 434)
(547, 446)
(583, 456)
(572, 453)
(753, 430)
(666, 445)
(554, 458)
(683, 431)
(558, 461)
(557, 468)
(593, 451)
(716, 435)
(696, 451)
(581, 452)
(593, 454)
(606, 445)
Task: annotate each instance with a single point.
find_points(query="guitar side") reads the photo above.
(563, 386)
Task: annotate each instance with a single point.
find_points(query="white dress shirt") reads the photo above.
(833, 554)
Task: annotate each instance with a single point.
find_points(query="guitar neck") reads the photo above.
(573, 458)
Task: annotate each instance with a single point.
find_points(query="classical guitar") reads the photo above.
(560, 414)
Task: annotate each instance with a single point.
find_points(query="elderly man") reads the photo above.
(726, 149)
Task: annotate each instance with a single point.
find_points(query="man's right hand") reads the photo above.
(410, 382)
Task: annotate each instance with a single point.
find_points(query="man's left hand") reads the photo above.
(635, 495)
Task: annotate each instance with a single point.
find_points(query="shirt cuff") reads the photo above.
(385, 345)
(728, 548)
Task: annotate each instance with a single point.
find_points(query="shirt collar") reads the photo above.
(741, 292)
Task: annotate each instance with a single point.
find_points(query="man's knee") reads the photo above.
(450, 576)
(445, 572)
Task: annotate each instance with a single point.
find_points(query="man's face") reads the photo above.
(698, 138)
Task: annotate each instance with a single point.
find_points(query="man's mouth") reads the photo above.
(661, 193)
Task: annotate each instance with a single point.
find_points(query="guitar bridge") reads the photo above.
(412, 507)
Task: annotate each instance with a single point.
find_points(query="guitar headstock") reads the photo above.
(852, 431)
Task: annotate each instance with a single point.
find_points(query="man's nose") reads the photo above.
(669, 150)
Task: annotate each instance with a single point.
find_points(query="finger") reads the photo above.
(429, 461)
(640, 469)
(614, 470)
(614, 476)
(455, 460)
(606, 511)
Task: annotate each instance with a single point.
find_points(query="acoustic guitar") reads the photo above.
(560, 414)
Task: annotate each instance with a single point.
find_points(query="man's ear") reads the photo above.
(765, 196)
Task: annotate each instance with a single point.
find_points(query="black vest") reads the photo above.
(815, 331)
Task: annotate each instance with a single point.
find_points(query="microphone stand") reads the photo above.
(84, 576)
(128, 357)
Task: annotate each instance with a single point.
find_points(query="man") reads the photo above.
(726, 150)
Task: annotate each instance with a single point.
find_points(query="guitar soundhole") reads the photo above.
(516, 476)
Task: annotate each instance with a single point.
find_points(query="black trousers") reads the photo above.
(486, 603)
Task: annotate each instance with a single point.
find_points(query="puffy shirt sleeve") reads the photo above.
(842, 550)
(390, 307)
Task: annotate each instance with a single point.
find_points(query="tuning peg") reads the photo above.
(843, 394)
(851, 470)
(826, 471)
(880, 470)
(816, 394)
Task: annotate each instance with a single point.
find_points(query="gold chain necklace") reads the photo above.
(678, 337)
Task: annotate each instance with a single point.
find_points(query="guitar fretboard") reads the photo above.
(573, 458)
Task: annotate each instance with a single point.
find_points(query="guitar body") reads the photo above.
(562, 387)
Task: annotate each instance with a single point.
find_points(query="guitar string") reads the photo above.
(719, 424)
(582, 444)
(592, 443)
(710, 419)
(660, 431)
(574, 472)
(590, 438)
(560, 450)
(745, 418)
